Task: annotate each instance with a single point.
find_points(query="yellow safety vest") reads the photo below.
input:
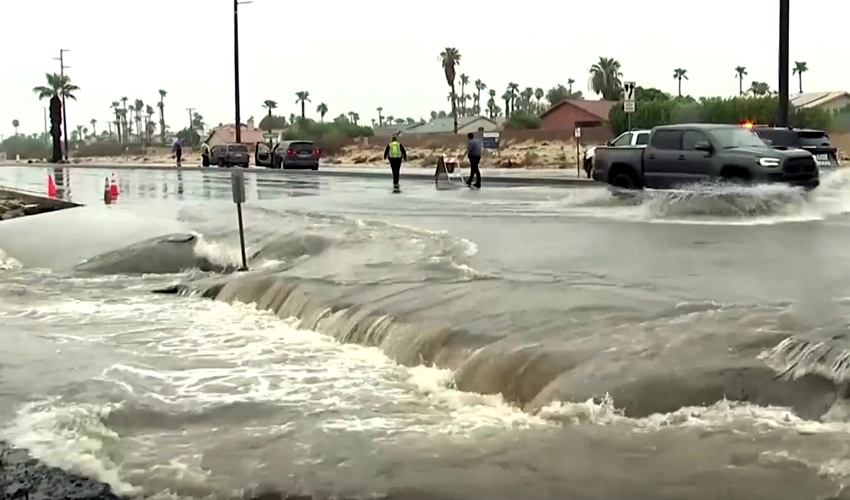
(395, 150)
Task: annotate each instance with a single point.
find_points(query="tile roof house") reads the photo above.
(465, 124)
(823, 100)
(572, 113)
(227, 133)
(390, 130)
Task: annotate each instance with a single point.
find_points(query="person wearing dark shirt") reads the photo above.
(473, 152)
(396, 154)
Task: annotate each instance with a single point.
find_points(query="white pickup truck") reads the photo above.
(635, 138)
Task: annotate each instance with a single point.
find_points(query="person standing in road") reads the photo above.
(178, 151)
(474, 147)
(396, 154)
(205, 154)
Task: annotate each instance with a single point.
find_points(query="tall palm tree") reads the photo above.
(124, 122)
(16, 124)
(464, 81)
(150, 126)
(606, 79)
(93, 127)
(449, 60)
(322, 109)
(539, 94)
(527, 95)
(680, 74)
(161, 106)
(740, 73)
(354, 117)
(303, 98)
(570, 83)
(507, 97)
(513, 90)
(479, 86)
(270, 105)
(116, 107)
(138, 106)
(380, 116)
(800, 67)
(491, 104)
(57, 88)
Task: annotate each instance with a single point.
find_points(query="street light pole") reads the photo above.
(191, 124)
(784, 29)
(238, 125)
(62, 69)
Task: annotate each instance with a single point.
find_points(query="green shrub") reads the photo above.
(523, 120)
(27, 148)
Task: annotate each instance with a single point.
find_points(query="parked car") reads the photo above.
(288, 154)
(632, 138)
(230, 154)
(685, 154)
(816, 142)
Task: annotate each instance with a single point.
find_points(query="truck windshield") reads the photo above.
(735, 137)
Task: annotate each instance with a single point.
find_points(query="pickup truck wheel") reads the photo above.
(221, 163)
(624, 181)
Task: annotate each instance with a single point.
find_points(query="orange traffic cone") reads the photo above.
(51, 187)
(107, 194)
(113, 187)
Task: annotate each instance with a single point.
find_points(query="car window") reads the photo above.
(667, 139)
(642, 139)
(737, 137)
(690, 138)
(623, 140)
(814, 138)
(237, 148)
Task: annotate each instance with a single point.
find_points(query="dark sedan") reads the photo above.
(288, 154)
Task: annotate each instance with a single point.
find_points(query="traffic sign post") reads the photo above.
(629, 101)
(577, 134)
(237, 185)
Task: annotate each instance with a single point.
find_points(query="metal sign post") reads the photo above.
(237, 185)
(629, 102)
(578, 154)
(270, 136)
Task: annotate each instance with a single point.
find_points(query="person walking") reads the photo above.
(396, 154)
(474, 147)
(177, 148)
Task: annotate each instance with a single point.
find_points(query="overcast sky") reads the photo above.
(356, 56)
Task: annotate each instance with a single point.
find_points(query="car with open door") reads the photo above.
(288, 154)
(230, 154)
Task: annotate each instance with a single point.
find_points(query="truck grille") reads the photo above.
(796, 166)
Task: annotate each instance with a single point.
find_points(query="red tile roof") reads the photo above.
(227, 133)
(596, 108)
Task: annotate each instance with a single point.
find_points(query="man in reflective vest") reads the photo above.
(396, 154)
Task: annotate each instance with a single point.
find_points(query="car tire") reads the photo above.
(277, 163)
(624, 181)
(316, 167)
(221, 163)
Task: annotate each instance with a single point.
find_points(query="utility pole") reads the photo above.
(238, 123)
(46, 135)
(62, 69)
(784, 29)
(191, 123)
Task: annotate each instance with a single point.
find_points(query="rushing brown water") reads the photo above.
(510, 342)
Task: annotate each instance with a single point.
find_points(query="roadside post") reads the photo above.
(629, 102)
(578, 153)
(237, 185)
(270, 136)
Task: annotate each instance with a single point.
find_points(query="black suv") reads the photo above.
(815, 142)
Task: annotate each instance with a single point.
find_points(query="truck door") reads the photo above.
(661, 163)
(695, 165)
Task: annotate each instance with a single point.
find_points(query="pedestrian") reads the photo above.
(396, 154)
(205, 154)
(178, 151)
(474, 147)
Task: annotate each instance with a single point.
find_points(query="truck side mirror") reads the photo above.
(703, 146)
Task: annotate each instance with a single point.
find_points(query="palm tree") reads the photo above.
(539, 94)
(380, 116)
(58, 87)
(491, 103)
(800, 67)
(513, 90)
(93, 126)
(150, 126)
(322, 109)
(570, 83)
(124, 120)
(450, 59)
(507, 97)
(680, 74)
(464, 81)
(479, 86)
(138, 105)
(116, 107)
(303, 98)
(606, 79)
(161, 106)
(270, 105)
(354, 117)
(16, 124)
(740, 73)
(759, 89)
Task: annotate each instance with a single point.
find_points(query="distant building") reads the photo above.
(829, 101)
(572, 113)
(227, 133)
(465, 124)
(390, 130)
